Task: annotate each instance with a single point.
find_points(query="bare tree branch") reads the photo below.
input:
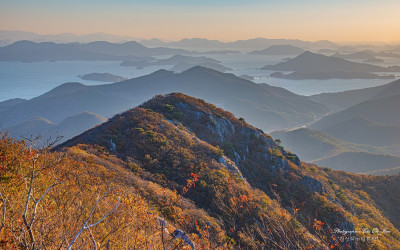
(94, 241)
(3, 218)
(86, 226)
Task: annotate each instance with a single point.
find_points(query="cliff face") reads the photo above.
(246, 179)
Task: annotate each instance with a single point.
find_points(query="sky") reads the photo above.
(225, 20)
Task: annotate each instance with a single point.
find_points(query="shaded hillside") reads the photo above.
(362, 131)
(382, 110)
(362, 162)
(378, 188)
(279, 50)
(172, 136)
(264, 106)
(11, 102)
(342, 100)
(326, 150)
(63, 101)
(311, 62)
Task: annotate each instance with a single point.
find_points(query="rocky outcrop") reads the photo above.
(313, 184)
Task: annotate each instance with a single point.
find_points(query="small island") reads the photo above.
(329, 75)
(103, 77)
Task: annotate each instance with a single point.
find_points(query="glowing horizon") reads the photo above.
(227, 20)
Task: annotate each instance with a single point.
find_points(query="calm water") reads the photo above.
(28, 80)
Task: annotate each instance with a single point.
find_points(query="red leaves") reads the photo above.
(318, 225)
(194, 176)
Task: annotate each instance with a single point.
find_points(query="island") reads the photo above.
(103, 77)
(329, 75)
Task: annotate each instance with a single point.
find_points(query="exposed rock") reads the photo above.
(179, 234)
(222, 127)
(313, 184)
(230, 165)
(113, 146)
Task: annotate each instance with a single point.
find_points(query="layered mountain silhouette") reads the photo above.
(103, 77)
(256, 43)
(326, 150)
(180, 62)
(379, 110)
(27, 51)
(362, 135)
(13, 36)
(367, 55)
(265, 106)
(279, 50)
(363, 131)
(342, 100)
(315, 63)
(329, 75)
(47, 130)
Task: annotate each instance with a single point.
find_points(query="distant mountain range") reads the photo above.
(279, 50)
(13, 36)
(103, 77)
(180, 62)
(68, 128)
(367, 55)
(379, 110)
(266, 106)
(27, 51)
(363, 131)
(329, 75)
(256, 43)
(326, 150)
(343, 100)
(316, 63)
(362, 135)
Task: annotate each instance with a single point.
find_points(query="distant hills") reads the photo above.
(367, 55)
(329, 75)
(103, 77)
(265, 106)
(361, 135)
(279, 50)
(256, 43)
(27, 51)
(180, 67)
(14, 36)
(381, 110)
(362, 55)
(343, 100)
(363, 131)
(68, 128)
(180, 62)
(315, 63)
(326, 150)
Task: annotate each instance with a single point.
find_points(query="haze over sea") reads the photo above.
(28, 80)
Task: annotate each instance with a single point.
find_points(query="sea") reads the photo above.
(28, 80)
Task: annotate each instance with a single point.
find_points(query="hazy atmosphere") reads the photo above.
(227, 20)
(224, 124)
